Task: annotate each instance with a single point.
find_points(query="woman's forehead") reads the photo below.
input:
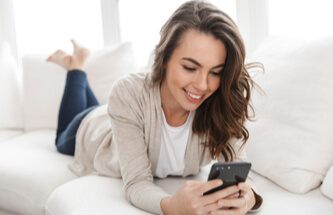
(203, 47)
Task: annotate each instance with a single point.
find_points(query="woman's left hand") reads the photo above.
(237, 204)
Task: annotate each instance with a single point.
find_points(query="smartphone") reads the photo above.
(231, 173)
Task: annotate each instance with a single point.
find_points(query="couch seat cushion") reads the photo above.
(6, 134)
(100, 195)
(103, 195)
(30, 169)
(278, 201)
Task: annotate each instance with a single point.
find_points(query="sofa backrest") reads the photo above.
(32, 102)
(11, 112)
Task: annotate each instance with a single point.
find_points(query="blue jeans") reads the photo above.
(77, 101)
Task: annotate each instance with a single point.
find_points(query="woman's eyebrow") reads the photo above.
(198, 64)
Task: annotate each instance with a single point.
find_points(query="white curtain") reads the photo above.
(253, 21)
(11, 113)
(7, 26)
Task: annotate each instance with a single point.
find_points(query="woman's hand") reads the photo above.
(189, 199)
(237, 205)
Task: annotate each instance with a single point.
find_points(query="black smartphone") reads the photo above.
(231, 173)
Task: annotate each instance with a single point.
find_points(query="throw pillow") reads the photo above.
(327, 186)
(291, 140)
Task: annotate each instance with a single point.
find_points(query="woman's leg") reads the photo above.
(78, 99)
(91, 98)
(74, 99)
(65, 140)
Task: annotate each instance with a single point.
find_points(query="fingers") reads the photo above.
(206, 186)
(232, 211)
(221, 194)
(244, 187)
(233, 196)
(228, 206)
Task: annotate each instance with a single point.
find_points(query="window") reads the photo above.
(299, 18)
(140, 22)
(44, 25)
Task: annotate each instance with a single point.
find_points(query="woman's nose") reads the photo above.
(201, 81)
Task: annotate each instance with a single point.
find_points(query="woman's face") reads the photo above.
(193, 71)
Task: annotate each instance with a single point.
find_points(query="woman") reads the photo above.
(191, 108)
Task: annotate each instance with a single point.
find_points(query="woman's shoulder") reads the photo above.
(132, 84)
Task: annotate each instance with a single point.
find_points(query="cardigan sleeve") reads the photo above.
(126, 115)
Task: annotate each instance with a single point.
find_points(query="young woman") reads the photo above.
(190, 109)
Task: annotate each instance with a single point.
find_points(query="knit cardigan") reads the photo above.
(123, 139)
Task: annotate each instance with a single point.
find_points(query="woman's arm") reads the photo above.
(128, 134)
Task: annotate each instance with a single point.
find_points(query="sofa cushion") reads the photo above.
(6, 134)
(11, 114)
(100, 195)
(44, 82)
(291, 140)
(90, 195)
(30, 169)
(278, 201)
(327, 186)
(103, 195)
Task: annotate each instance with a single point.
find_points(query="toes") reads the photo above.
(74, 43)
(79, 50)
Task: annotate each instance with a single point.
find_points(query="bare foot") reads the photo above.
(70, 62)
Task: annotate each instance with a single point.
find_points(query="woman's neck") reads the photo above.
(175, 115)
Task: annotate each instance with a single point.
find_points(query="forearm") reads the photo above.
(146, 196)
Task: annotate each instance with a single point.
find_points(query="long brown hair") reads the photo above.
(221, 116)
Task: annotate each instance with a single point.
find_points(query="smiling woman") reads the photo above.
(188, 109)
(192, 74)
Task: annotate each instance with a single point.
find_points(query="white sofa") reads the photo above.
(35, 179)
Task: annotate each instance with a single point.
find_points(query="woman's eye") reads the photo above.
(191, 69)
(215, 73)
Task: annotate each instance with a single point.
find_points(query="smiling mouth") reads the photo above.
(193, 96)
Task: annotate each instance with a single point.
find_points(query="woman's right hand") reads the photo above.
(189, 199)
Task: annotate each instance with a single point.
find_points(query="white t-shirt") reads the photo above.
(173, 146)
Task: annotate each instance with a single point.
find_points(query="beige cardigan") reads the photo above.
(126, 142)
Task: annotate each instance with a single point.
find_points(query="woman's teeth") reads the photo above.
(193, 95)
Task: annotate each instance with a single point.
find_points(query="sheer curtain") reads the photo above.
(7, 29)
(11, 114)
(42, 26)
(304, 19)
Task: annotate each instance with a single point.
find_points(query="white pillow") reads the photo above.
(327, 186)
(44, 82)
(291, 140)
(11, 110)
(107, 65)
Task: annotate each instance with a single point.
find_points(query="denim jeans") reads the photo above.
(77, 101)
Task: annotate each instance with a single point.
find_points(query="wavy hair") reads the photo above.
(222, 116)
